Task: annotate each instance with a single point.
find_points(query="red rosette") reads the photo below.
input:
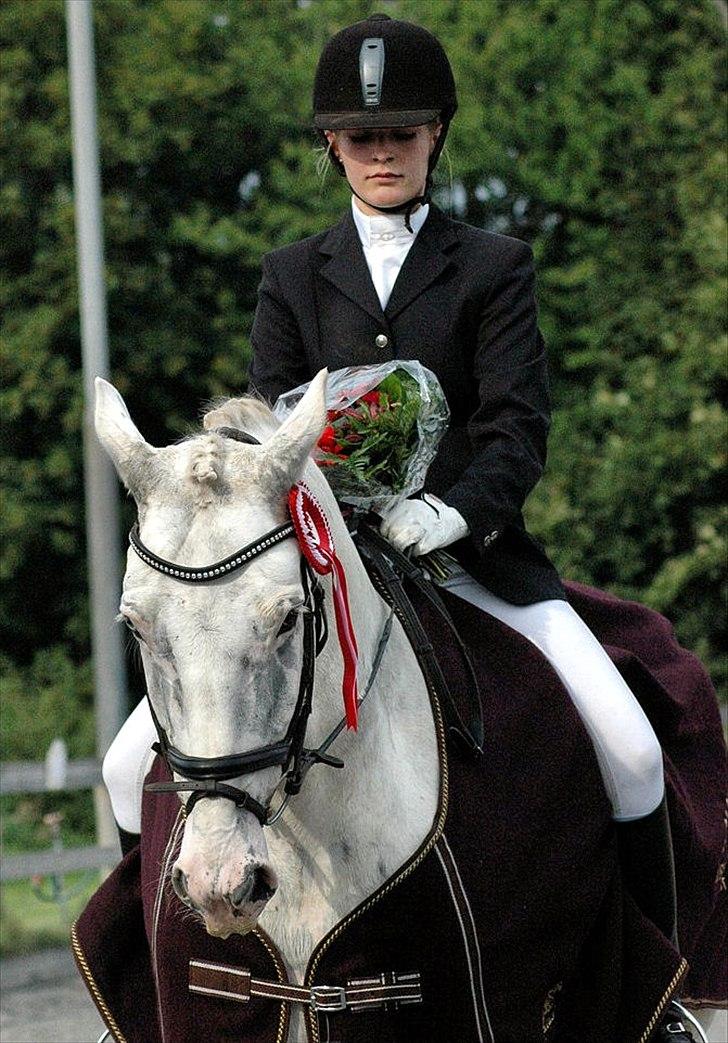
(317, 544)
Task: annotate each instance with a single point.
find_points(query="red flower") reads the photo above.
(373, 397)
(327, 439)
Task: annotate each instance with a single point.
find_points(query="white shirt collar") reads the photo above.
(385, 229)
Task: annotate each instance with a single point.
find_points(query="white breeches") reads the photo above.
(126, 764)
(628, 753)
(627, 750)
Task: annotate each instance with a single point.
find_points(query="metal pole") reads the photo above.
(101, 488)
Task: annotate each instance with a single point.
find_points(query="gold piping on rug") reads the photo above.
(679, 975)
(94, 989)
(425, 848)
(284, 1013)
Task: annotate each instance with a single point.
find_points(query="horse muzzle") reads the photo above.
(222, 872)
(234, 904)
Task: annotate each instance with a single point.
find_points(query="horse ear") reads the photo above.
(120, 437)
(286, 452)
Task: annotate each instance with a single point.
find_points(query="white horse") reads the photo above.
(222, 664)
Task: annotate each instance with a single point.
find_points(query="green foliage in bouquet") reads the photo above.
(372, 440)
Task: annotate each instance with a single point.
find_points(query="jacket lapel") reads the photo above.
(347, 267)
(427, 259)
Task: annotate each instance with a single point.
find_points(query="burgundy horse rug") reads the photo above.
(510, 922)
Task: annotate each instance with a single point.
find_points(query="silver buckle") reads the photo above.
(692, 1021)
(328, 997)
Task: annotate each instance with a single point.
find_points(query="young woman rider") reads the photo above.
(398, 279)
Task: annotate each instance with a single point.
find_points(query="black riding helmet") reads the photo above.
(383, 72)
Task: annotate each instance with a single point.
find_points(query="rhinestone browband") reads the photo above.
(205, 573)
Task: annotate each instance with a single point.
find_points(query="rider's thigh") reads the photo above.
(629, 755)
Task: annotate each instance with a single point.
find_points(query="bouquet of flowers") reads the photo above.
(384, 425)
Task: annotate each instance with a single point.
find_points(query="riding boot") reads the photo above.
(648, 868)
(648, 873)
(128, 841)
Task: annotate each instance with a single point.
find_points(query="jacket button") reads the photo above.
(381, 340)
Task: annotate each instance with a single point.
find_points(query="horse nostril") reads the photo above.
(264, 885)
(258, 886)
(179, 884)
(239, 895)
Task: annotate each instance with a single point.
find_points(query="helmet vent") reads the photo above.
(371, 69)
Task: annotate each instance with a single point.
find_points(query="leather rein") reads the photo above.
(209, 776)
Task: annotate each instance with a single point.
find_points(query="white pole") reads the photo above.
(101, 489)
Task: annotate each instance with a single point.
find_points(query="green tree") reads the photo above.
(593, 130)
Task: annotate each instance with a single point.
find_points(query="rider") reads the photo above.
(396, 278)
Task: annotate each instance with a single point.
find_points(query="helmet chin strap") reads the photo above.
(405, 208)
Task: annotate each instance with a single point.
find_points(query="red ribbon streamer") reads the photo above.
(316, 542)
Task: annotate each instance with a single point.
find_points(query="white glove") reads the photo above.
(423, 525)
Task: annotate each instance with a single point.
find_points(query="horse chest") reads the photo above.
(320, 884)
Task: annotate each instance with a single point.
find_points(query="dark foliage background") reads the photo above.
(596, 131)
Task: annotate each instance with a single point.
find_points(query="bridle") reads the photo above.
(208, 776)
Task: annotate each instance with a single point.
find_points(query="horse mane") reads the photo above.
(250, 413)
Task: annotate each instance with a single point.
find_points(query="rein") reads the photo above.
(386, 565)
(206, 777)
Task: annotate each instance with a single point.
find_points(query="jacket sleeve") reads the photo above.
(279, 360)
(508, 430)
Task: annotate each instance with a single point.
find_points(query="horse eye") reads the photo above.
(288, 623)
(128, 623)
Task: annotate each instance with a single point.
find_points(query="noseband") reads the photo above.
(208, 776)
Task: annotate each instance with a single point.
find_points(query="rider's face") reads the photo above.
(385, 166)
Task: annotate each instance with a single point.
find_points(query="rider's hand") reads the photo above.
(423, 525)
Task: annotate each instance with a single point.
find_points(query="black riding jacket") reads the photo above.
(464, 305)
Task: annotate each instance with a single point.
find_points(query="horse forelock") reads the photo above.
(253, 416)
(205, 463)
(206, 452)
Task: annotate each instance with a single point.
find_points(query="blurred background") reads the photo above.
(593, 129)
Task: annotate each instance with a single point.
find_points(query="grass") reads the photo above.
(38, 913)
(29, 922)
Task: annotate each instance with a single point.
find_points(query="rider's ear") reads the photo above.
(286, 453)
(120, 437)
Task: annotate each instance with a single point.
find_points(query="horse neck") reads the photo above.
(355, 572)
(391, 759)
(368, 613)
(350, 829)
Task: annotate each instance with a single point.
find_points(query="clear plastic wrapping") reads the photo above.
(385, 424)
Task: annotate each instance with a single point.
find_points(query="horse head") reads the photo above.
(222, 659)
